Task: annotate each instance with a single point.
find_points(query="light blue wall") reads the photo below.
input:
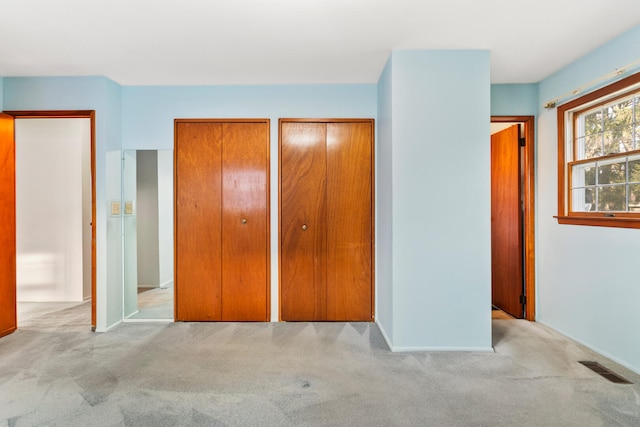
(102, 95)
(1, 93)
(149, 113)
(440, 190)
(384, 202)
(114, 297)
(514, 99)
(588, 285)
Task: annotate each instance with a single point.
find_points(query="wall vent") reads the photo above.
(604, 372)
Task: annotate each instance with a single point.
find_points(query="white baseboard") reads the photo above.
(147, 320)
(167, 284)
(109, 328)
(133, 314)
(406, 349)
(384, 335)
(398, 349)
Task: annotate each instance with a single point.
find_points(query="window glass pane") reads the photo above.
(593, 123)
(612, 198)
(618, 115)
(612, 173)
(634, 170)
(618, 140)
(634, 198)
(583, 199)
(592, 146)
(583, 175)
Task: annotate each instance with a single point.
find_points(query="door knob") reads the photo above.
(304, 227)
(244, 220)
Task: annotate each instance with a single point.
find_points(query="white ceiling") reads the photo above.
(161, 42)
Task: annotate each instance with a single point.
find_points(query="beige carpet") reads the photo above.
(56, 373)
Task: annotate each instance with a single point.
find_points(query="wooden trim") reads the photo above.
(205, 120)
(602, 92)
(280, 122)
(602, 214)
(52, 114)
(307, 120)
(617, 222)
(268, 248)
(373, 221)
(76, 114)
(566, 215)
(175, 220)
(562, 176)
(93, 223)
(603, 158)
(529, 209)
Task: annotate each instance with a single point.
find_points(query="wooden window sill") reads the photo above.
(619, 222)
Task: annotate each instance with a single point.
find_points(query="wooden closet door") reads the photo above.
(198, 213)
(303, 294)
(349, 221)
(8, 320)
(245, 222)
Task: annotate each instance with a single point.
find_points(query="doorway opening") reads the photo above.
(512, 215)
(55, 210)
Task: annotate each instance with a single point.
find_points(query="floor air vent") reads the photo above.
(604, 372)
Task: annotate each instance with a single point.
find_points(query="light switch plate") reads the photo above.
(115, 207)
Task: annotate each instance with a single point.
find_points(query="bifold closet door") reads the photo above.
(198, 234)
(326, 220)
(349, 221)
(303, 173)
(222, 220)
(245, 222)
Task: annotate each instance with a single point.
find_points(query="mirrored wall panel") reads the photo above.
(147, 209)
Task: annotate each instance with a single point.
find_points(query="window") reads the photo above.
(599, 157)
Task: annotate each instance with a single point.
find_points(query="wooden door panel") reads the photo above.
(302, 221)
(349, 220)
(198, 218)
(506, 222)
(245, 221)
(8, 321)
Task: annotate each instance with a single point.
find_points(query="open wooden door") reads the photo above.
(8, 318)
(507, 282)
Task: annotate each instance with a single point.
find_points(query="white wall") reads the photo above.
(588, 285)
(53, 209)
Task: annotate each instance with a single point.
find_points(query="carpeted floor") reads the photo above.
(297, 374)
